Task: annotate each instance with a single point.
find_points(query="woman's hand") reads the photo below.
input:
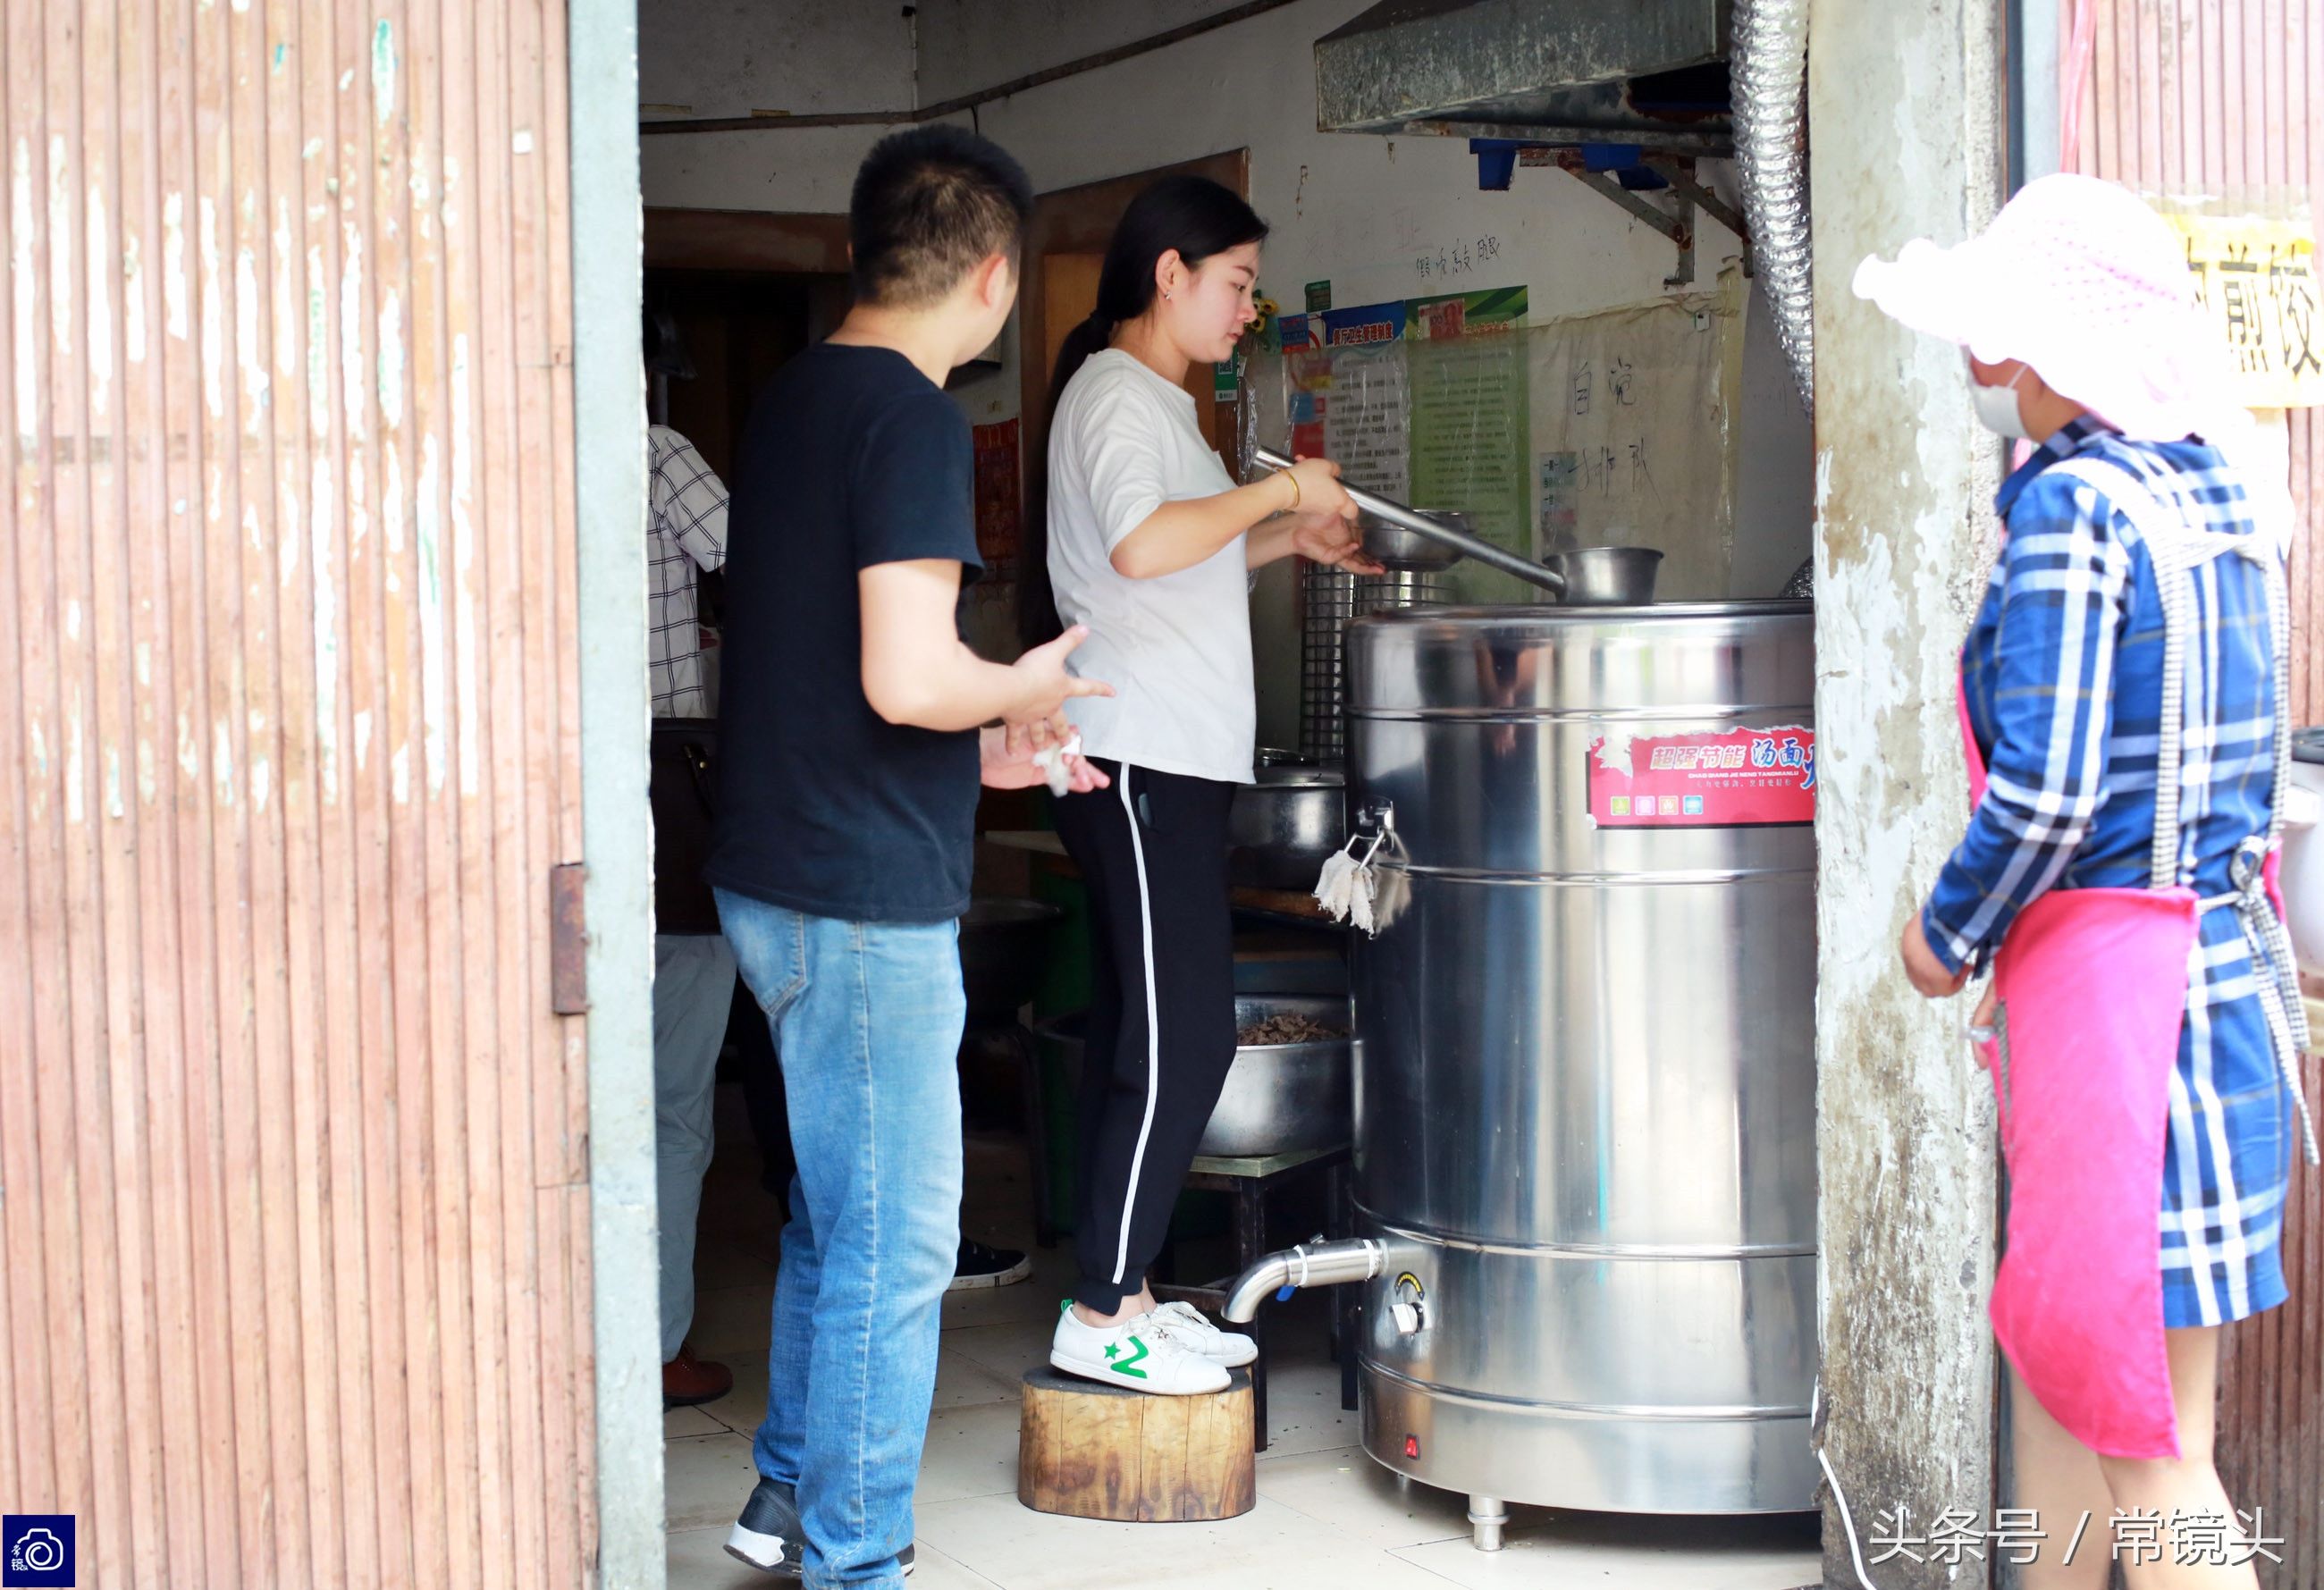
(1328, 538)
(1321, 495)
(1322, 526)
(1986, 1009)
(1929, 979)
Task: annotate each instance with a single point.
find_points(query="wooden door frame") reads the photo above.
(1080, 220)
(808, 242)
(794, 243)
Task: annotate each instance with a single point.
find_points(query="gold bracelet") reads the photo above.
(1295, 491)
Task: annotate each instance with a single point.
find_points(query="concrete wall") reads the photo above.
(1357, 210)
(966, 45)
(732, 58)
(1904, 104)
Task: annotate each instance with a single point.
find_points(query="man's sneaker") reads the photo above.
(1189, 1325)
(980, 1266)
(769, 1535)
(1146, 1353)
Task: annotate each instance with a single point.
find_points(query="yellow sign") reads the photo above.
(2256, 277)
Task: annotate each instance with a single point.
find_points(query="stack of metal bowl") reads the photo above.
(1330, 597)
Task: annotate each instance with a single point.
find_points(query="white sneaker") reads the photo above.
(1191, 1327)
(1145, 1354)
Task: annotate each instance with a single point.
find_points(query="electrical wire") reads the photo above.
(1847, 1519)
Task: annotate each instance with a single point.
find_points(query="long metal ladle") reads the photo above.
(1420, 524)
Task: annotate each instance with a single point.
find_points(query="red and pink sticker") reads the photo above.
(1735, 779)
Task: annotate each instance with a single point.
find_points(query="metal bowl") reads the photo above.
(1285, 1097)
(1281, 829)
(1409, 551)
(1279, 1098)
(1607, 576)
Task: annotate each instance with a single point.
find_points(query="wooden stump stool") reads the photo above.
(1088, 1450)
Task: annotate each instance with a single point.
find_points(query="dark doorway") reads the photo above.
(738, 327)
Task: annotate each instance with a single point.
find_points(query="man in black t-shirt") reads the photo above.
(855, 726)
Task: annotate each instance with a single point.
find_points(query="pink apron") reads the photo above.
(2092, 985)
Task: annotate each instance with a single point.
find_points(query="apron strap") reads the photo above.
(2176, 550)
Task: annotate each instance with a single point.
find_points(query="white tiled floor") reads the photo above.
(1328, 1517)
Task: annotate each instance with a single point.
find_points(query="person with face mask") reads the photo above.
(1150, 547)
(2124, 699)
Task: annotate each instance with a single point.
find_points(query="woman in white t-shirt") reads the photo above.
(1151, 544)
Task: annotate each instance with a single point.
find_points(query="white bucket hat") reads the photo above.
(2082, 280)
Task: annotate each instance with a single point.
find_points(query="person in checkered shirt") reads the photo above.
(687, 532)
(693, 973)
(2124, 683)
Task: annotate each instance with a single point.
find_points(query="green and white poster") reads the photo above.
(1467, 383)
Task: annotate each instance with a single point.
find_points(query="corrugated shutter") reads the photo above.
(295, 1289)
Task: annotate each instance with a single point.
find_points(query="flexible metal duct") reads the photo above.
(1769, 69)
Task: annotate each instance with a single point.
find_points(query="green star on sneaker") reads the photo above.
(1146, 1353)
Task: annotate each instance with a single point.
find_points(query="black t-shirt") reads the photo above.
(851, 458)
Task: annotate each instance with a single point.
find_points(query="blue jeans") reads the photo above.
(867, 1018)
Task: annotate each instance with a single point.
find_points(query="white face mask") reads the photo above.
(1996, 407)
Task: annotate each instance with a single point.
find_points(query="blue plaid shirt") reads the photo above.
(2063, 676)
(2063, 673)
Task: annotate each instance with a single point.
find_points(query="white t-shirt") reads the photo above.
(1175, 649)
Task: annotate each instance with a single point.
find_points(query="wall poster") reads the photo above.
(1469, 401)
(1631, 435)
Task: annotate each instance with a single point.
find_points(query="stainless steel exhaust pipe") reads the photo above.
(1770, 72)
(1311, 1263)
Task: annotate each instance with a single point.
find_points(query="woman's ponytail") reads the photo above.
(1192, 215)
(1090, 337)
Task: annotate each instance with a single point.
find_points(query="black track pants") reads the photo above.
(1153, 852)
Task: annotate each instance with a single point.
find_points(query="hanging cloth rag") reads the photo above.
(2092, 988)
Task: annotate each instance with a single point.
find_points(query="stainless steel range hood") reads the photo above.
(1554, 71)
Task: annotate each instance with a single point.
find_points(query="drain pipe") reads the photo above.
(1311, 1263)
(1769, 71)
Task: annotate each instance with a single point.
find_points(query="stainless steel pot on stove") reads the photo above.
(1280, 829)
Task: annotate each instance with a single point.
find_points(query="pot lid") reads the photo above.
(1311, 776)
